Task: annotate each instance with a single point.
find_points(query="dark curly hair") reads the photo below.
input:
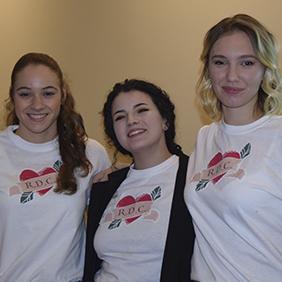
(71, 131)
(159, 97)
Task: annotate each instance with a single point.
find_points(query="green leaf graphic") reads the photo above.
(202, 184)
(115, 223)
(57, 165)
(245, 151)
(156, 193)
(26, 197)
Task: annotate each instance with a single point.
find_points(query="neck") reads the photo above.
(235, 117)
(35, 138)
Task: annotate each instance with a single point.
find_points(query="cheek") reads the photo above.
(216, 76)
(19, 106)
(260, 77)
(215, 83)
(55, 107)
(254, 81)
(119, 132)
(58, 109)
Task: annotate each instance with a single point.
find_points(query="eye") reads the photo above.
(49, 93)
(118, 117)
(218, 62)
(247, 63)
(23, 94)
(141, 110)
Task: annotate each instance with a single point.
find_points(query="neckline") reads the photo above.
(29, 146)
(152, 170)
(242, 129)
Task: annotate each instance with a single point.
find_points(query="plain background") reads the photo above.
(100, 42)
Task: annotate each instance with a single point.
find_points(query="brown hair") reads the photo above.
(71, 132)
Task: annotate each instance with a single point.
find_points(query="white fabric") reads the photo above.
(237, 210)
(132, 249)
(41, 232)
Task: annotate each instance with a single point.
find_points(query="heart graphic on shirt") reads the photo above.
(30, 174)
(218, 158)
(129, 200)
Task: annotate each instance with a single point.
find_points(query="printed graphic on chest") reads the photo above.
(129, 209)
(221, 165)
(40, 182)
(35, 182)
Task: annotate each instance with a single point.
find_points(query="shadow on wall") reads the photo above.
(2, 116)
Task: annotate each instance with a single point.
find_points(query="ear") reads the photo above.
(64, 96)
(266, 75)
(165, 125)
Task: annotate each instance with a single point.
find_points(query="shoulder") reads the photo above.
(111, 171)
(5, 142)
(275, 121)
(4, 134)
(93, 147)
(97, 154)
(119, 174)
(207, 131)
(271, 126)
(114, 179)
(183, 156)
(208, 128)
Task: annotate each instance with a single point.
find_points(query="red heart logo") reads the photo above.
(29, 174)
(219, 157)
(129, 200)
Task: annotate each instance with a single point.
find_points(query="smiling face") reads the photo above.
(138, 125)
(37, 99)
(236, 75)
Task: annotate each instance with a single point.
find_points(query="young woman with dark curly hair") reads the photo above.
(139, 228)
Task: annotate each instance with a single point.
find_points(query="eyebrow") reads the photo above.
(240, 57)
(28, 88)
(135, 106)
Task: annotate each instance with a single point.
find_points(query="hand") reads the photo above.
(103, 175)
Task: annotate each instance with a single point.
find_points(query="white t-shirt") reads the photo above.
(235, 199)
(133, 229)
(42, 233)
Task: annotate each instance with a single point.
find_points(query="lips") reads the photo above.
(135, 132)
(232, 90)
(37, 117)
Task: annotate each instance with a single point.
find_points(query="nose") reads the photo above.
(131, 119)
(232, 73)
(37, 102)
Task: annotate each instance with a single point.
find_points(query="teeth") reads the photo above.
(135, 132)
(37, 116)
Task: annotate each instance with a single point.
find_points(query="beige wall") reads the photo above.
(100, 42)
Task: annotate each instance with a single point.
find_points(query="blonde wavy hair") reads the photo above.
(266, 50)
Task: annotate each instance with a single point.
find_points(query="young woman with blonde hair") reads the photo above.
(235, 194)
